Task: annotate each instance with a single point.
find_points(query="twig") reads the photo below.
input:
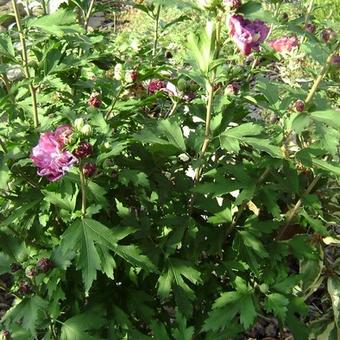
(24, 55)
(297, 206)
(156, 34)
(88, 15)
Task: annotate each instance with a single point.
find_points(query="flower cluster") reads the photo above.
(156, 85)
(50, 156)
(247, 34)
(283, 44)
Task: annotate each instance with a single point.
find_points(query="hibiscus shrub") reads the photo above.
(145, 196)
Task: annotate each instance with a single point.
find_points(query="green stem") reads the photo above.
(297, 206)
(318, 80)
(44, 7)
(309, 10)
(114, 102)
(173, 109)
(24, 55)
(206, 141)
(308, 101)
(156, 34)
(3, 145)
(83, 190)
(88, 15)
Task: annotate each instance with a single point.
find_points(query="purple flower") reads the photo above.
(49, 155)
(156, 85)
(283, 44)
(247, 34)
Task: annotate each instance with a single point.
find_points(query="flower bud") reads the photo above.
(310, 28)
(335, 61)
(299, 105)
(31, 272)
(15, 73)
(107, 145)
(232, 88)
(86, 130)
(94, 100)
(78, 123)
(83, 150)
(25, 288)
(328, 35)
(45, 264)
(15, 267)
(89, 169)
(232, 4)
(4, 335)
(118, 72)
(131, 76)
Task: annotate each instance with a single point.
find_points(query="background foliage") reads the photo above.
(213, 210)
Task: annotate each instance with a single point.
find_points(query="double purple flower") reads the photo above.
(247, 34)
(50, 156)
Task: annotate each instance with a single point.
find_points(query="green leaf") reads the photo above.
(6, 47)
(329, 117)
(265, 146)
(175, 273)
(159, 330)
(58, 23)
(333, 287)
(327, 166)
(76, 327)
(277, 303)
(173, 133)
(116, 148)
(223, 216)
(182, 332)
(229, 304)
(230, 139)
(19, 213)
(66, 199)
(5, 262)
(252, 242)
(133, 255)
(134, 177)
(84, 235)
(28, 312)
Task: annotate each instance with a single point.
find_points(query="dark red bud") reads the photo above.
(25, 288)
(89, 169)
(309, 27)
(134, 75)
(45, 264)
(299, 105)
(328, 34)
(94, 100)
(83, 150)
(15, 267)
